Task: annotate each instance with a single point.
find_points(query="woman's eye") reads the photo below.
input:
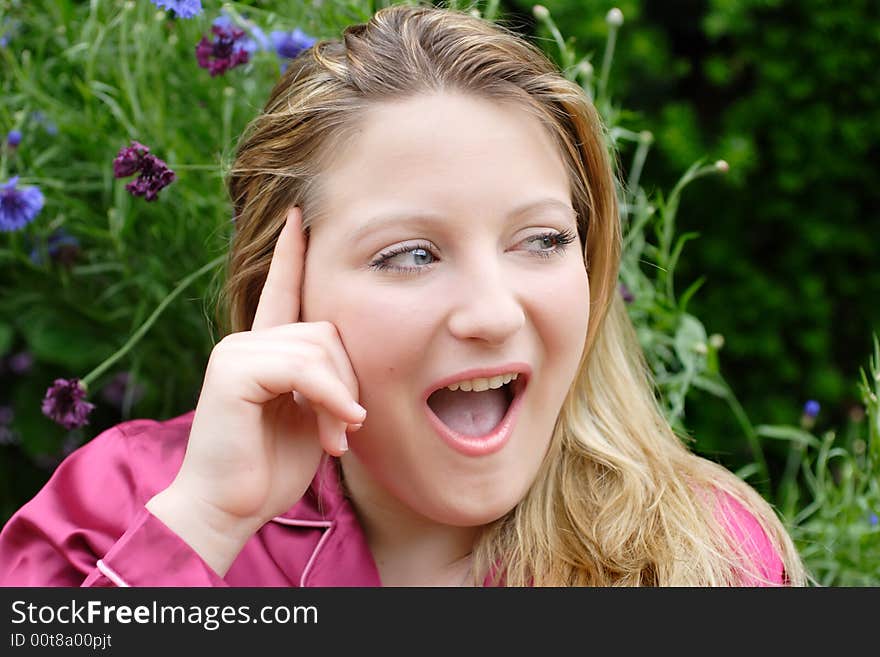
(551, 242)
(420, 257)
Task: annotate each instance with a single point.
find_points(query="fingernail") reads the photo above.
(354, 427)
(343, 443)
(359, 410)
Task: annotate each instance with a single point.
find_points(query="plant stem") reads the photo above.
(751, 435)
(607, 58)
(133, 340)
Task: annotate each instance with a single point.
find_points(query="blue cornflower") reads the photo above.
(18, 207)
(181, 8)
(13, 139)
(247, 43)
(290, 44)
(8, 29)
(808, 417)
(40, 118)
(260, 37)
(258, 40)
(872, 519)
(61, 246)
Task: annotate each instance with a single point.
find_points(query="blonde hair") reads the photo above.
(619, 499)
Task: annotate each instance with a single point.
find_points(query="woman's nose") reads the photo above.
(486, 307)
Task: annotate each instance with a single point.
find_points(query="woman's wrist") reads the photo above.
(215, 536)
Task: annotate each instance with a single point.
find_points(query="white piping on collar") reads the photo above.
(111, 574)
(295, 522)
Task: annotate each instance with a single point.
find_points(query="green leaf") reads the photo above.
(710, 386)
(748, 470)
(39, 434)
(688, 293)
(779, 432)
(689, 334)
(63, 339)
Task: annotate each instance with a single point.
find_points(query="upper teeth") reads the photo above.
(478, 385)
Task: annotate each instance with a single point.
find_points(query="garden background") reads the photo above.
(746, 133)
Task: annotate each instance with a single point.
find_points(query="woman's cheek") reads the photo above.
(381, 330)
(568, 309)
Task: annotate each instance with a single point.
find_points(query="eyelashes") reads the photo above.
(560, 241)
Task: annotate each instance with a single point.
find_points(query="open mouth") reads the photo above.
(471, 414)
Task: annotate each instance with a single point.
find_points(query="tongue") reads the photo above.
(470, 413)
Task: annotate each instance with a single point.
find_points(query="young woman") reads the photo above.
(428, 377)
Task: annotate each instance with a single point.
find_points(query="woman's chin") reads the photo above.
(473, 512)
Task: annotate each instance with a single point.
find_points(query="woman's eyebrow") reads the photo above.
(422, 218)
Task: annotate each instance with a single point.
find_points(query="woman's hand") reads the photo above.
(273, 400)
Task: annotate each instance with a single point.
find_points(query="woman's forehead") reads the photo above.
(477, 158)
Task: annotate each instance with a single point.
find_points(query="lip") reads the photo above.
(496, 439)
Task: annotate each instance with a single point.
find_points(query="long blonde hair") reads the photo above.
(619, 499)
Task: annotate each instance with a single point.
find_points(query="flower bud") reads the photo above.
(722, 166)
(614, 17)
(811, 408)
(541, 12)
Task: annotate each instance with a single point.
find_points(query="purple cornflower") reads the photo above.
(13, 139)
(21, 363)
(230, 47)
(7, 414)
(626, 293)
(154, 176)
(153, 173)
(181, 8)
(61, 246)
(129, 159)
(18, 207)
(290, 44)
(64, 403)
(256, 40)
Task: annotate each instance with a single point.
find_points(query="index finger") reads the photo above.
(280, 298)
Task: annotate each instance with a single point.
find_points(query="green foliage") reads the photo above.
(783, 91)
(105, 73)
(828, 492)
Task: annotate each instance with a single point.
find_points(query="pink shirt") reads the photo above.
(88, 526)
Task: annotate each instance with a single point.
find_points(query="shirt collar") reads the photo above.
(342, 556)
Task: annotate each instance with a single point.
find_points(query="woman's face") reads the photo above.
(473, 284)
